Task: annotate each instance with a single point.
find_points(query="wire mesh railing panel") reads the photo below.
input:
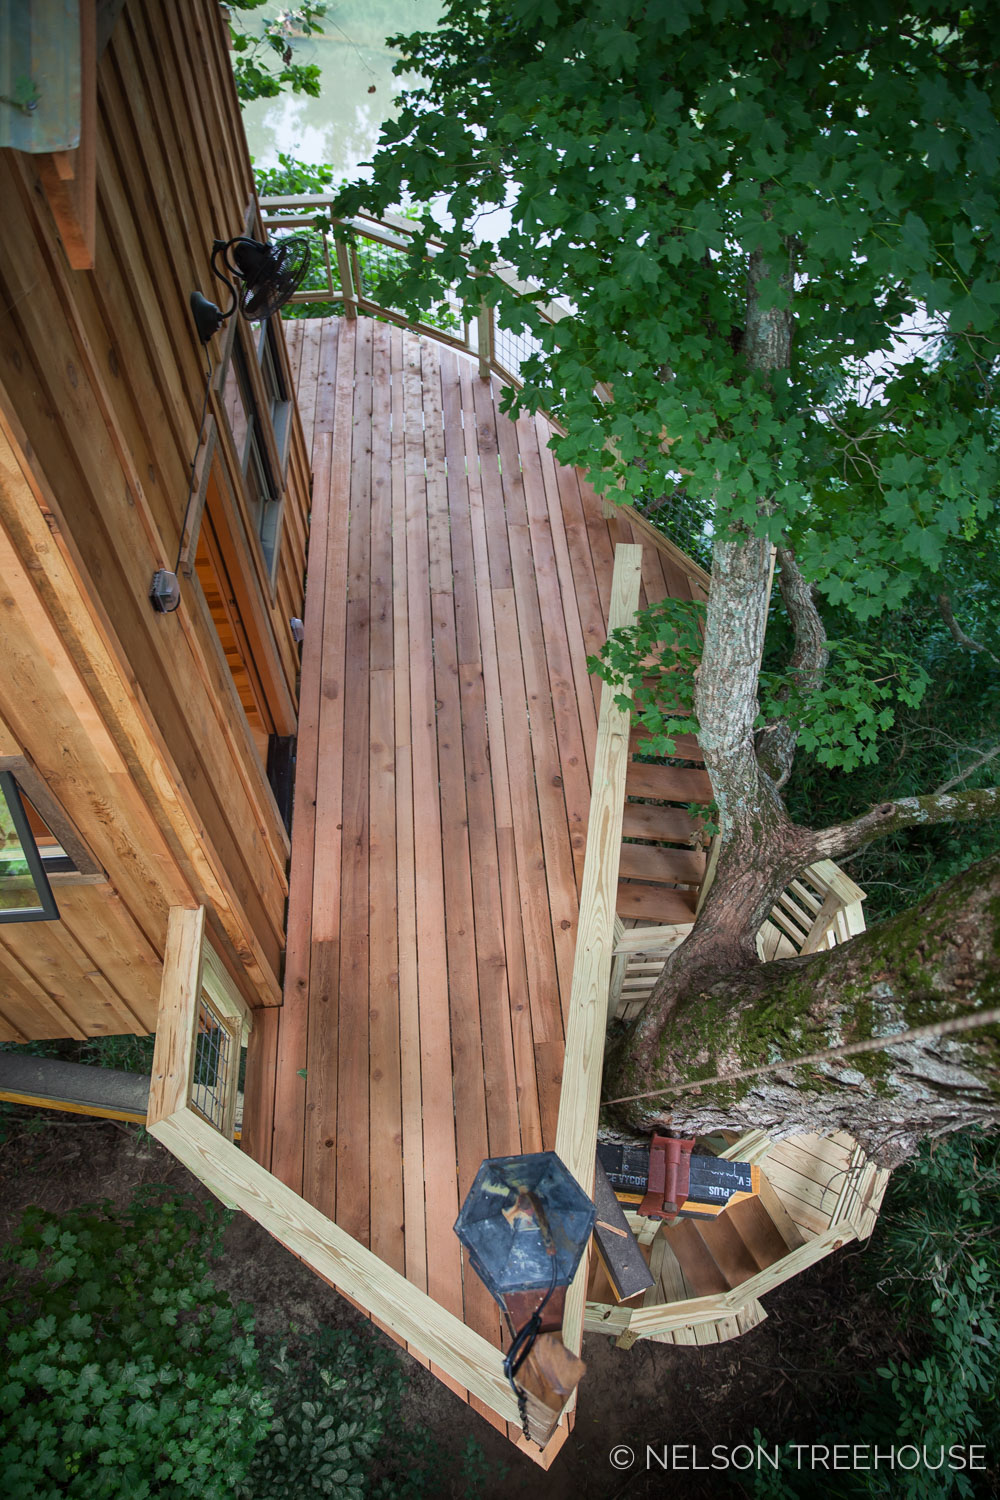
(322, 280)
(684, 521)
(216, 1065)
(511, 349)
(375, 263)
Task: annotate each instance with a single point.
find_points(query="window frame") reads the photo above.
(260, 448)
(46, 909)
(87, 870)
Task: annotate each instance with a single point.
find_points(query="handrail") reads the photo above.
(819, 909)
(431, 1331)
(497, 350)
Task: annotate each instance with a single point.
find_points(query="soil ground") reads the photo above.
(784, 1378)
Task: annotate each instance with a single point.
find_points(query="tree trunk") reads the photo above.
(940, 960)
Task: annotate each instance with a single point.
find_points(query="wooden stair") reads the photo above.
(816, 1194)
(660, 877)
(709, 1257)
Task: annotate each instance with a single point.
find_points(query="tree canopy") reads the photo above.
(777, 228)
(654, 157)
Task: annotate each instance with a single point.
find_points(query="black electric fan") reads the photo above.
(261, 279)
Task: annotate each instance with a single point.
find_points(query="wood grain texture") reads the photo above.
(138, 725)
(465, 577)
(576, 1133)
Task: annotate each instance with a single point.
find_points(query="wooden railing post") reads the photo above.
(484, 339)
(576, 1129)
(347, 287)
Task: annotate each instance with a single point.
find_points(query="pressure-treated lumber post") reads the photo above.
(576, 1130)
(173, 1054)
(619, 968)
(347, 287)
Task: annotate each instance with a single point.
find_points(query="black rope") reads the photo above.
(522, 1343)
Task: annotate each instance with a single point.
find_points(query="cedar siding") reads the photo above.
(149, 731)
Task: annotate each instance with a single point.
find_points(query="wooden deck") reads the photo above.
(457, 580)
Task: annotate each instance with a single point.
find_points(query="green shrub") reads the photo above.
(339, 1429)
(127, 1371)
(936, 1256)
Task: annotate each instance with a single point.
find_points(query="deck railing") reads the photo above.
(818, 910)
(179, 1121)
(352, 274)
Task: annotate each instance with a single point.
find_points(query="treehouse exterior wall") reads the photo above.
(147, 730)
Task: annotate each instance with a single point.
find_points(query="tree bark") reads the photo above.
(808, 662)
(715, 1009)
(940, 960)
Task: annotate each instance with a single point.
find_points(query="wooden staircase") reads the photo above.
(662, 868)
(816, 1194)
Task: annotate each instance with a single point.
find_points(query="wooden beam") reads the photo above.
(576, 1130)
(356, 1272)
(432, 1332)
(173, 1055)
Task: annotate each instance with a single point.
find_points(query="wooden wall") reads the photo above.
(133, 718)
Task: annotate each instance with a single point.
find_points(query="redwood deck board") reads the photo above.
(458, 577)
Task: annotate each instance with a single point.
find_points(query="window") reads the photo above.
(245, 422)
(29, 854)
(274, 384)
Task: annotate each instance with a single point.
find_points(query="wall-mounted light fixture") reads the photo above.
(261, 279)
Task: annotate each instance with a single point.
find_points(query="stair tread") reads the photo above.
(733, 1257)
(687, 745)
(660, 903)
(669, 783)
(701, 1270)
(758, 1231)
(652, 862)
(644, 820)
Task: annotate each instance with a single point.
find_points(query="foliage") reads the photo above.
(330, 1420)
(264, 63)
(661, 701)
(339, 1431)
(375, 261)
(839, 719)
(126, 1369)
(648, 155)
(936, 1256)
(927, 746)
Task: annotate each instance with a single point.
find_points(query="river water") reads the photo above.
(339, 128)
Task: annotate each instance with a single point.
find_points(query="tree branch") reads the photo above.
(936, 963)
(776, 745)
(964, 775)
(948, 616)
(907, 812)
